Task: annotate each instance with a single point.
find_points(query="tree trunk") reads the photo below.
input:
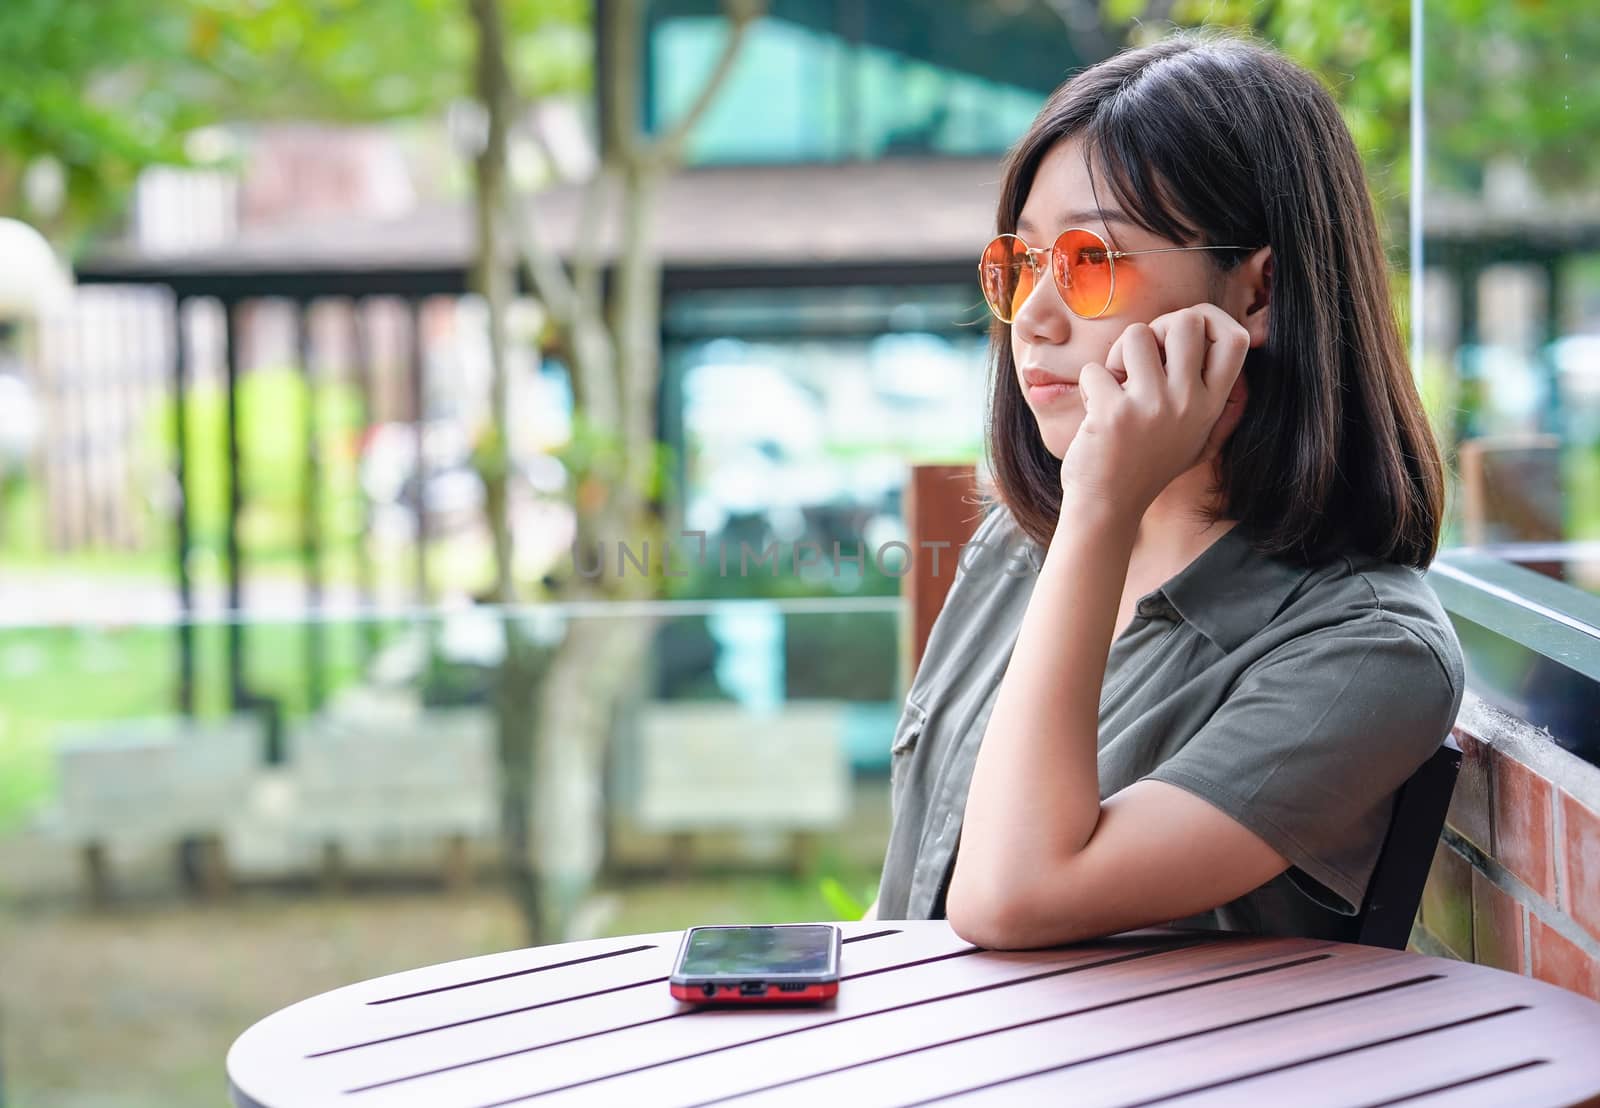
(523, 663)
(613, 351)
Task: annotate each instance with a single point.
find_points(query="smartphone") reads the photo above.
(758, 964)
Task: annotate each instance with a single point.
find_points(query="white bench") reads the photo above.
(378, 786)
(141, 782)
(714, 766)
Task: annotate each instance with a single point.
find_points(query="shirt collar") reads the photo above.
(1231, 591)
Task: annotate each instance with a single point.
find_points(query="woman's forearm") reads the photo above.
(1034, 799)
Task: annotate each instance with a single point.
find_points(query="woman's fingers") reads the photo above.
(1230, 342)
(1223, 338)
(1141, 355)
(1183, 337)
(1097, 387)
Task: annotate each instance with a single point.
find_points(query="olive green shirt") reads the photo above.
(1295, 699)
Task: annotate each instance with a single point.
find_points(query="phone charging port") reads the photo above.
(709, 990)
(753, 988)
(792, 987)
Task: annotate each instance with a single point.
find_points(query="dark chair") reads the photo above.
(1396, 886)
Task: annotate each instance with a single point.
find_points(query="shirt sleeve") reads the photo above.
(1310, 746)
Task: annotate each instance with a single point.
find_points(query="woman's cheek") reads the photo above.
(1125, 290)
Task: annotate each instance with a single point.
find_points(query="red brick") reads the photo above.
(1523, 840)
(1470, 809)
(1496, 926)
(1561, 962)
(1447, 901)
(1580, 875)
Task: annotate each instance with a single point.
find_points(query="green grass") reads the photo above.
(668, 906)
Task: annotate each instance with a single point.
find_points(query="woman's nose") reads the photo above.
(1043, 317)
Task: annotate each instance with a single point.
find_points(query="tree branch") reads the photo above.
(666, 151)
(573, 299)
(586, 250)
(548, 279)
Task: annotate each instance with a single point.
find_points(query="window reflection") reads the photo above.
(812, 87)
(1511, 272)
(807, 436)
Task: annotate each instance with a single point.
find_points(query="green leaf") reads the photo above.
(840, 902)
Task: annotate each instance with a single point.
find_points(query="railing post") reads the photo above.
(311, 511)
(232, 315)
(419, 413)
(180, 423)
(361, 346)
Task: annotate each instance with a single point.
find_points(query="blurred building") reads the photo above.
(848, 173)
(819, 248)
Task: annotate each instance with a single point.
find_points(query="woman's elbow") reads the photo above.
(1008, 923)
(984, 929)
(986, 908)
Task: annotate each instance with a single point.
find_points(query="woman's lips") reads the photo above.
(1043, 388)
(1032, 375)
(1052, 393)
(1046, 388)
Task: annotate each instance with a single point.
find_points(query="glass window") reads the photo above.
(783, 102)
(1511, 277)
(798, 423)
(821, 89)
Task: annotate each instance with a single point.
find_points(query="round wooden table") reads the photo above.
(1147, 1017)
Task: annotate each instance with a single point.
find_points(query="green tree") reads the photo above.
(1511, 79)
(1501, 78)
(94, 91)
(91, 92)
(1360, 50)
(557, 707)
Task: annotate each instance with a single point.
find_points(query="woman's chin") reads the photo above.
(1057, 432)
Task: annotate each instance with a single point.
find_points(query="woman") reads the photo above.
(1189, 693)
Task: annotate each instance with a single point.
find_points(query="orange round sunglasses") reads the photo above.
(1084, 267)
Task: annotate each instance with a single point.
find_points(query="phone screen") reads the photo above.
(777, 948)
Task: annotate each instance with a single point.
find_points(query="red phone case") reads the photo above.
(735, 994)
(751, 988)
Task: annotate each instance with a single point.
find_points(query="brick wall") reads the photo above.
(1515, 882)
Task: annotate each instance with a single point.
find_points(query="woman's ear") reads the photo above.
(1254, 285)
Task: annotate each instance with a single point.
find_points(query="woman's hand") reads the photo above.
(1139, 435)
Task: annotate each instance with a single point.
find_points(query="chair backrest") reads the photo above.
(941, 505)
(1511, 489)
(1396, 886)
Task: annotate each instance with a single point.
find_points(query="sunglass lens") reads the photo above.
(1082, 264)
(1006, 276)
